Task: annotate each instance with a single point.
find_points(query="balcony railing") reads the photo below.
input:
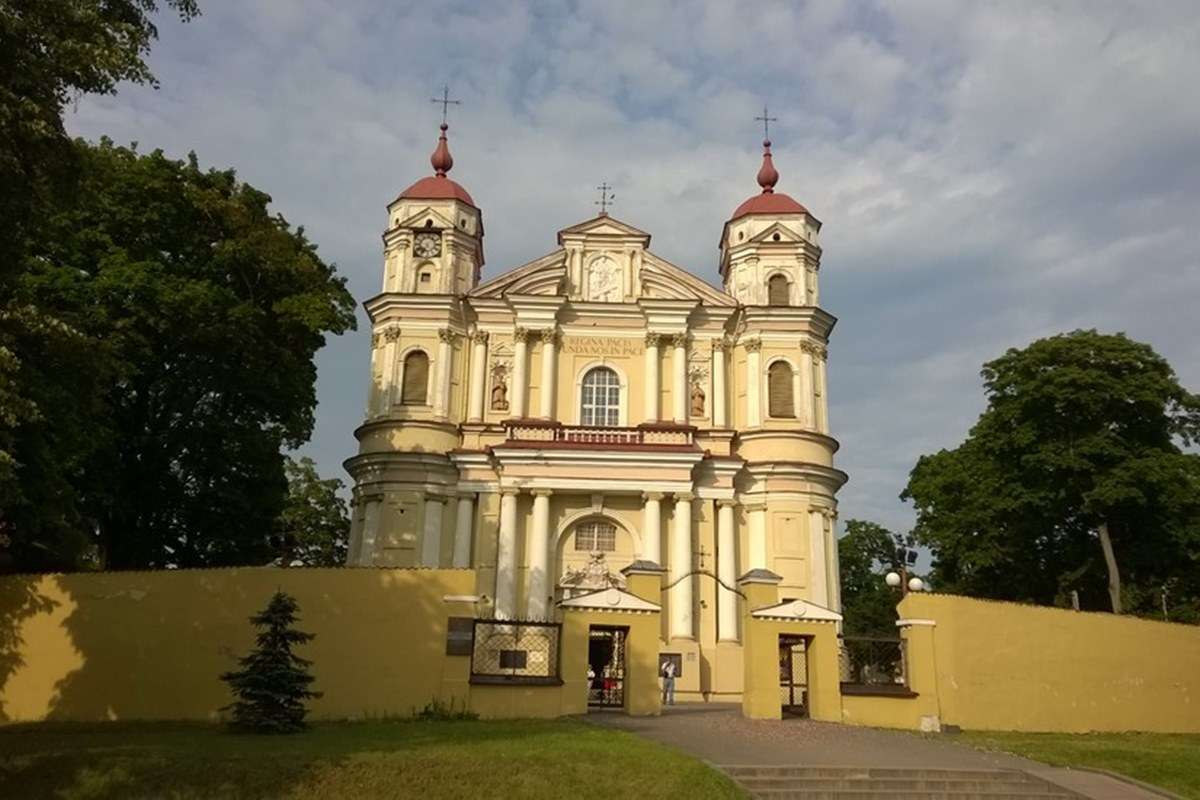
(663, 435)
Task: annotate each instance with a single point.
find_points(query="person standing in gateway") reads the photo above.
(668, 673)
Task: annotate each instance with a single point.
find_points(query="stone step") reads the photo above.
(838, 794)
(758, 770)
(894, 784)
(881, 783)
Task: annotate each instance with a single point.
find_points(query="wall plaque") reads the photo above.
(604, 345)
(460, 636)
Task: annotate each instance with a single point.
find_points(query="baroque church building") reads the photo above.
(600, 407)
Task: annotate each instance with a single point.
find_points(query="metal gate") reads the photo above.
(606, 666)
(793, 675)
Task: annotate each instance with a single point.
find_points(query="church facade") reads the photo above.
(600, 407)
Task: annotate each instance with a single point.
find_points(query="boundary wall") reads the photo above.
(989, 665)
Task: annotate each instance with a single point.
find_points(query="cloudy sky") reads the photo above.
(987, 173)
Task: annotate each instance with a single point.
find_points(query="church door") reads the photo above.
(606, 666)
(793, 675)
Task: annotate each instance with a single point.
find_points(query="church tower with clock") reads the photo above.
(599, 410)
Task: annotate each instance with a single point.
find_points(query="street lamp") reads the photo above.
(906, 557)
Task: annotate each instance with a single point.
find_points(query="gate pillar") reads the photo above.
(760, 647)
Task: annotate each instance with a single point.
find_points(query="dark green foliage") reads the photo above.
(272, 686)
(314, 528)
(199, 312)
(1083, 433)
(865, 554)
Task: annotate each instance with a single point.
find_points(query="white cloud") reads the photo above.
(987, 173)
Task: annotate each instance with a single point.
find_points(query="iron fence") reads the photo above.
(876, 662)
(515, 651)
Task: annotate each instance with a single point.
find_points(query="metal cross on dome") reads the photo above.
(766, 121)
(606, 198)
(445, 101)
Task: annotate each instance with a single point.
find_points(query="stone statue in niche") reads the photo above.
(697, 400)
(604, 281)
(499, 390)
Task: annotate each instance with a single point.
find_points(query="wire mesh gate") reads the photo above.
(793, 675)
(606, 666)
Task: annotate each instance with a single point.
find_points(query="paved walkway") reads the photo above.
(719, 734)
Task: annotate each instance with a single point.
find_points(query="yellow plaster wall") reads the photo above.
(151, 645)
(989, 665)
(1004, 666)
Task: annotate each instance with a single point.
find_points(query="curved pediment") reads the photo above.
(544, 276)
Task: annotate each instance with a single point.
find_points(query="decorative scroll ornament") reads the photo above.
(753, 345)
(479, 337)
(548, 335)
(520, 334)
(679, 340)
(392, 334)
(447, 335)
(652, 339)
(592, 576)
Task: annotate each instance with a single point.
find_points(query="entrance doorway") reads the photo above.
(606, 666)
(793, 675)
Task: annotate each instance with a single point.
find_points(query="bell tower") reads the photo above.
(769, 250)
(434, 240)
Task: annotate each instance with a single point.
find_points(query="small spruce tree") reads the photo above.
(272, 685)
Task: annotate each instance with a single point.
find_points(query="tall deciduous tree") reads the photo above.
(203, 311)
(314, 527)
(1073, 479)
(51, 51)
(865, 554)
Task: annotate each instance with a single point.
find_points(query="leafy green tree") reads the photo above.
(51, 51)
(273, 683)
(314, 527)
(1073, 480)
(865, 554)
(202, 312)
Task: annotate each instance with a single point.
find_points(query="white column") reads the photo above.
(387, 389)
(807, 417)
(727, 612)
(520, 377)
(833, 562)
(822, 392)
(718, 372)
(652, 527)
(463, 523)
(753, 383)
(506, 558)
(818, 590)
(441, 397)
(756, 542)
(681, 564)
(375, 390)
(537, 604)
(679, 392)
(549, 364)
(366, 555)
(478, 376)
(431, 537)
(652, 390)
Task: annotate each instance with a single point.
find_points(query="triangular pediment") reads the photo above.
(662, 279)
(785, 234)
(611, 600)
(419, 219)
(542, 276)
(604, 225)
(798, 610)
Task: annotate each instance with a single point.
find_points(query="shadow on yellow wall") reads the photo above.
(151, 645)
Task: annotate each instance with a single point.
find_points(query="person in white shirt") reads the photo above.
(668, 673)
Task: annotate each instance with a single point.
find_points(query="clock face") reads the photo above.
(427, 245)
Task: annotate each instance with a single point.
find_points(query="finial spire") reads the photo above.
(768, 176)
(441, 159)
(606, 198)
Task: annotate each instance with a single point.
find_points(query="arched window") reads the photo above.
(777, 291)
(416, 379)
(600, 403)
(780, 402)
(596, 536)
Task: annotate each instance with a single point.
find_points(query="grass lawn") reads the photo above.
(1171, 761)
(459, 759)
